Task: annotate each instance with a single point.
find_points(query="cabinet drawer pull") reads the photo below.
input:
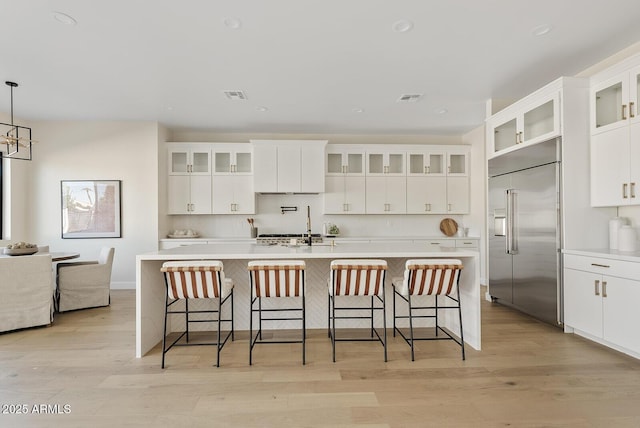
(624, 112)
(624, 191)
(604, 288)
(599, 265)
(631, 113)
(597, 287)
(632, 186)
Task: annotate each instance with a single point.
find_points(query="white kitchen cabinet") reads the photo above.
(189, 179)
(434, 243)
(283, 166)
(386, 195)
(189, 159)
(601, 300)
(615, 167)
(167, 244)
(233, 194)
(189, 194)
(345, 180)
(385, 163)
(531, 120)
(426, 163)
(232, 159)
(438, 182)
(344, 194)
(614, 101)
(467, 243)
(233, 179)
(426, 181)
(427, 195)
(615, 140)
(345, 161)
(457, 182)
(386, 184)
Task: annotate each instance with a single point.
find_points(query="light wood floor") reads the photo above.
(527, 375)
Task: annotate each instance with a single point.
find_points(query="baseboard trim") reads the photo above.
(123, 285)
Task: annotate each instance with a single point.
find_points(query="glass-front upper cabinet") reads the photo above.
(345, 161)
(188, 159)
(232, 159)
(532, 122)
(425, 163)
(457, 164)
(614, 102)
(385, 163)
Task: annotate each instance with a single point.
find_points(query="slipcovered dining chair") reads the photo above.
(271, 280)
(352, 279)
(428, 277)
(201, 280)
(85, 284)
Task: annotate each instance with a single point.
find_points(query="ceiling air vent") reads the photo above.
(235, 95)
(409, 98)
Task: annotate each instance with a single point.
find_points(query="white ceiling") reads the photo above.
(311, 63)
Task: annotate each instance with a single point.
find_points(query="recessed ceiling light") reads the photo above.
(402, 26)
(64, 18)
(358, 110)
(541, 30)
(233, 23)
(262, 108)
(441, 110)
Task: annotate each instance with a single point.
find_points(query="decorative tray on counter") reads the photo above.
(20, 251)
(183, 236)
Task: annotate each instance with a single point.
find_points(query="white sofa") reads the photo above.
(27, 289)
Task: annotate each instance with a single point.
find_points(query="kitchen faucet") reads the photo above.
(309, 224)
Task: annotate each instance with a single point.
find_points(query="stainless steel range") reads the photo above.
(285, 238)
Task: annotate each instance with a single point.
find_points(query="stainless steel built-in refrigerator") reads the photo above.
(524, 230)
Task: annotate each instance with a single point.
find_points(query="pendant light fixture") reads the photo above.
(15, 140)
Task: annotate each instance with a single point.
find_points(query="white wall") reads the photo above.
(126, 151)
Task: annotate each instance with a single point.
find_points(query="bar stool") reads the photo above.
(428, 277)
(357, 278)
(272, 279)
(186, 280)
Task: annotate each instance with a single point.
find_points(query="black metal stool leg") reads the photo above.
(411, 326)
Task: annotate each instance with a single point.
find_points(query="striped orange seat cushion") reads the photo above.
(277, 278)
(196, 280)
(429, 277)
(357, 277)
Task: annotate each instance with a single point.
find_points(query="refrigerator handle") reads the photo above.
(512, 247)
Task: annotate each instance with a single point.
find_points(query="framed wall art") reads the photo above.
(91, 208)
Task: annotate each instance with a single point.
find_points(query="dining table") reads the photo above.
(59, 256)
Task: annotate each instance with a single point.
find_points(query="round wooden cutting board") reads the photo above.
(449, 227)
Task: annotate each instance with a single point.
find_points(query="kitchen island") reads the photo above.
(150, 288)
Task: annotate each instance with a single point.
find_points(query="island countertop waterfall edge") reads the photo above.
(150, 288)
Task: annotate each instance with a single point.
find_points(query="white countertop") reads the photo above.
(246, 250)
(329, 238)
(606, 253)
